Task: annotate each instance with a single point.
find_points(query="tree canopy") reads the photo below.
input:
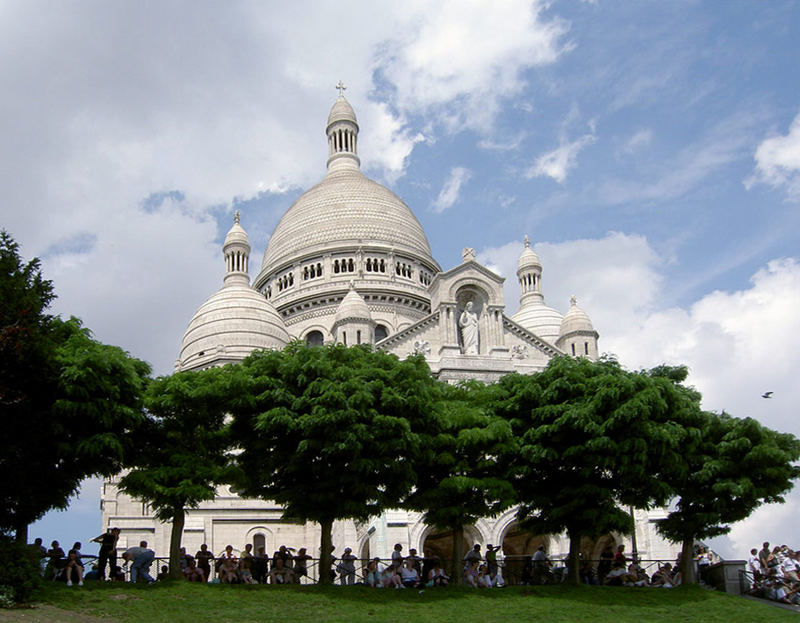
(182, 448)
(332, 432)
(466, 478)
(590, 438)
(67, 401)
(737, 466)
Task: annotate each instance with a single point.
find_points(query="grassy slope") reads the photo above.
(179, 602)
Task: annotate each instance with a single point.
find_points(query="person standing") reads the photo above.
(491, 560)
(108, 553)
(204, 558)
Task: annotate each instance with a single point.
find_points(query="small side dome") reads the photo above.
(229, 326)
(528, 259)
(342, 111)
(352, 307)
(539, 319)
(575, 320)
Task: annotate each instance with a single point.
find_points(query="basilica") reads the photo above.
(350, 263)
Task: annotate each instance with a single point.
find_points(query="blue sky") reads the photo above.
(650, 150)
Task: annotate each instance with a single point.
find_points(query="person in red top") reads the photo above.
(619, 555)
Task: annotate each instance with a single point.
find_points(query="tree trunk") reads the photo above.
(574, 561)
(687, 562)
(457, 570)
(178, 520)
(326, 541)
(21, 532)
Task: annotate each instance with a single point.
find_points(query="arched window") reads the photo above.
(381, 332)
(314, 338)
(259, 542)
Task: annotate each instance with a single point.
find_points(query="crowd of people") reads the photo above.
(774, 573)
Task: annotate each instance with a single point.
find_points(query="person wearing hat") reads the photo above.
(347, 568)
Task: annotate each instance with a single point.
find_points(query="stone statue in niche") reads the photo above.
(468, 321)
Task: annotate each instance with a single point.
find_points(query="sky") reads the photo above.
(650, 150)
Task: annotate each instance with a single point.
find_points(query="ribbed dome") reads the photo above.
(344, 210)
(342, 111)
(230, 325)
(575, 320)
(352, 307)
(540, 320)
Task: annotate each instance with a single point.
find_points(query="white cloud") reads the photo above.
(451, 189)
(778, 162)
(470, 54)
(557, 163)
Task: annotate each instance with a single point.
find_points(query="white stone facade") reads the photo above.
(349, 262)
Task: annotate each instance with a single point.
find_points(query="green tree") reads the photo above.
(591, 437)
(332, 432)
(466, 479)
(182, 449)
(737, 466)
(66, 400)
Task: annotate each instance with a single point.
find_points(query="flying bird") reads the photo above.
(767, 395)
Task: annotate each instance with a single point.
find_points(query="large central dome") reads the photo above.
(346, 209)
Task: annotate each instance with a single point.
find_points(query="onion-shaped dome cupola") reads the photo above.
(237, 319)
(353, 323)
(577, 336)
(533, 314)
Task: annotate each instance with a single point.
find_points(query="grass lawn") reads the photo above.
(181, 601)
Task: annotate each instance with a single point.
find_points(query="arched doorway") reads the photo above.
(518, 547)
(436, 544)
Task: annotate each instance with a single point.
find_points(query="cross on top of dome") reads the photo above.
(341, 88)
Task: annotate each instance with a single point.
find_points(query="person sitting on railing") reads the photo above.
(280, 573)
(246, 565)
(56, 561)
(372, 577)
(437, 576)
(192, 572)
(301, 564)
(227, 566)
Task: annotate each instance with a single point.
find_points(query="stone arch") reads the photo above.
(314, 336)
(518, 545)
(435, 543)
(268, 539)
